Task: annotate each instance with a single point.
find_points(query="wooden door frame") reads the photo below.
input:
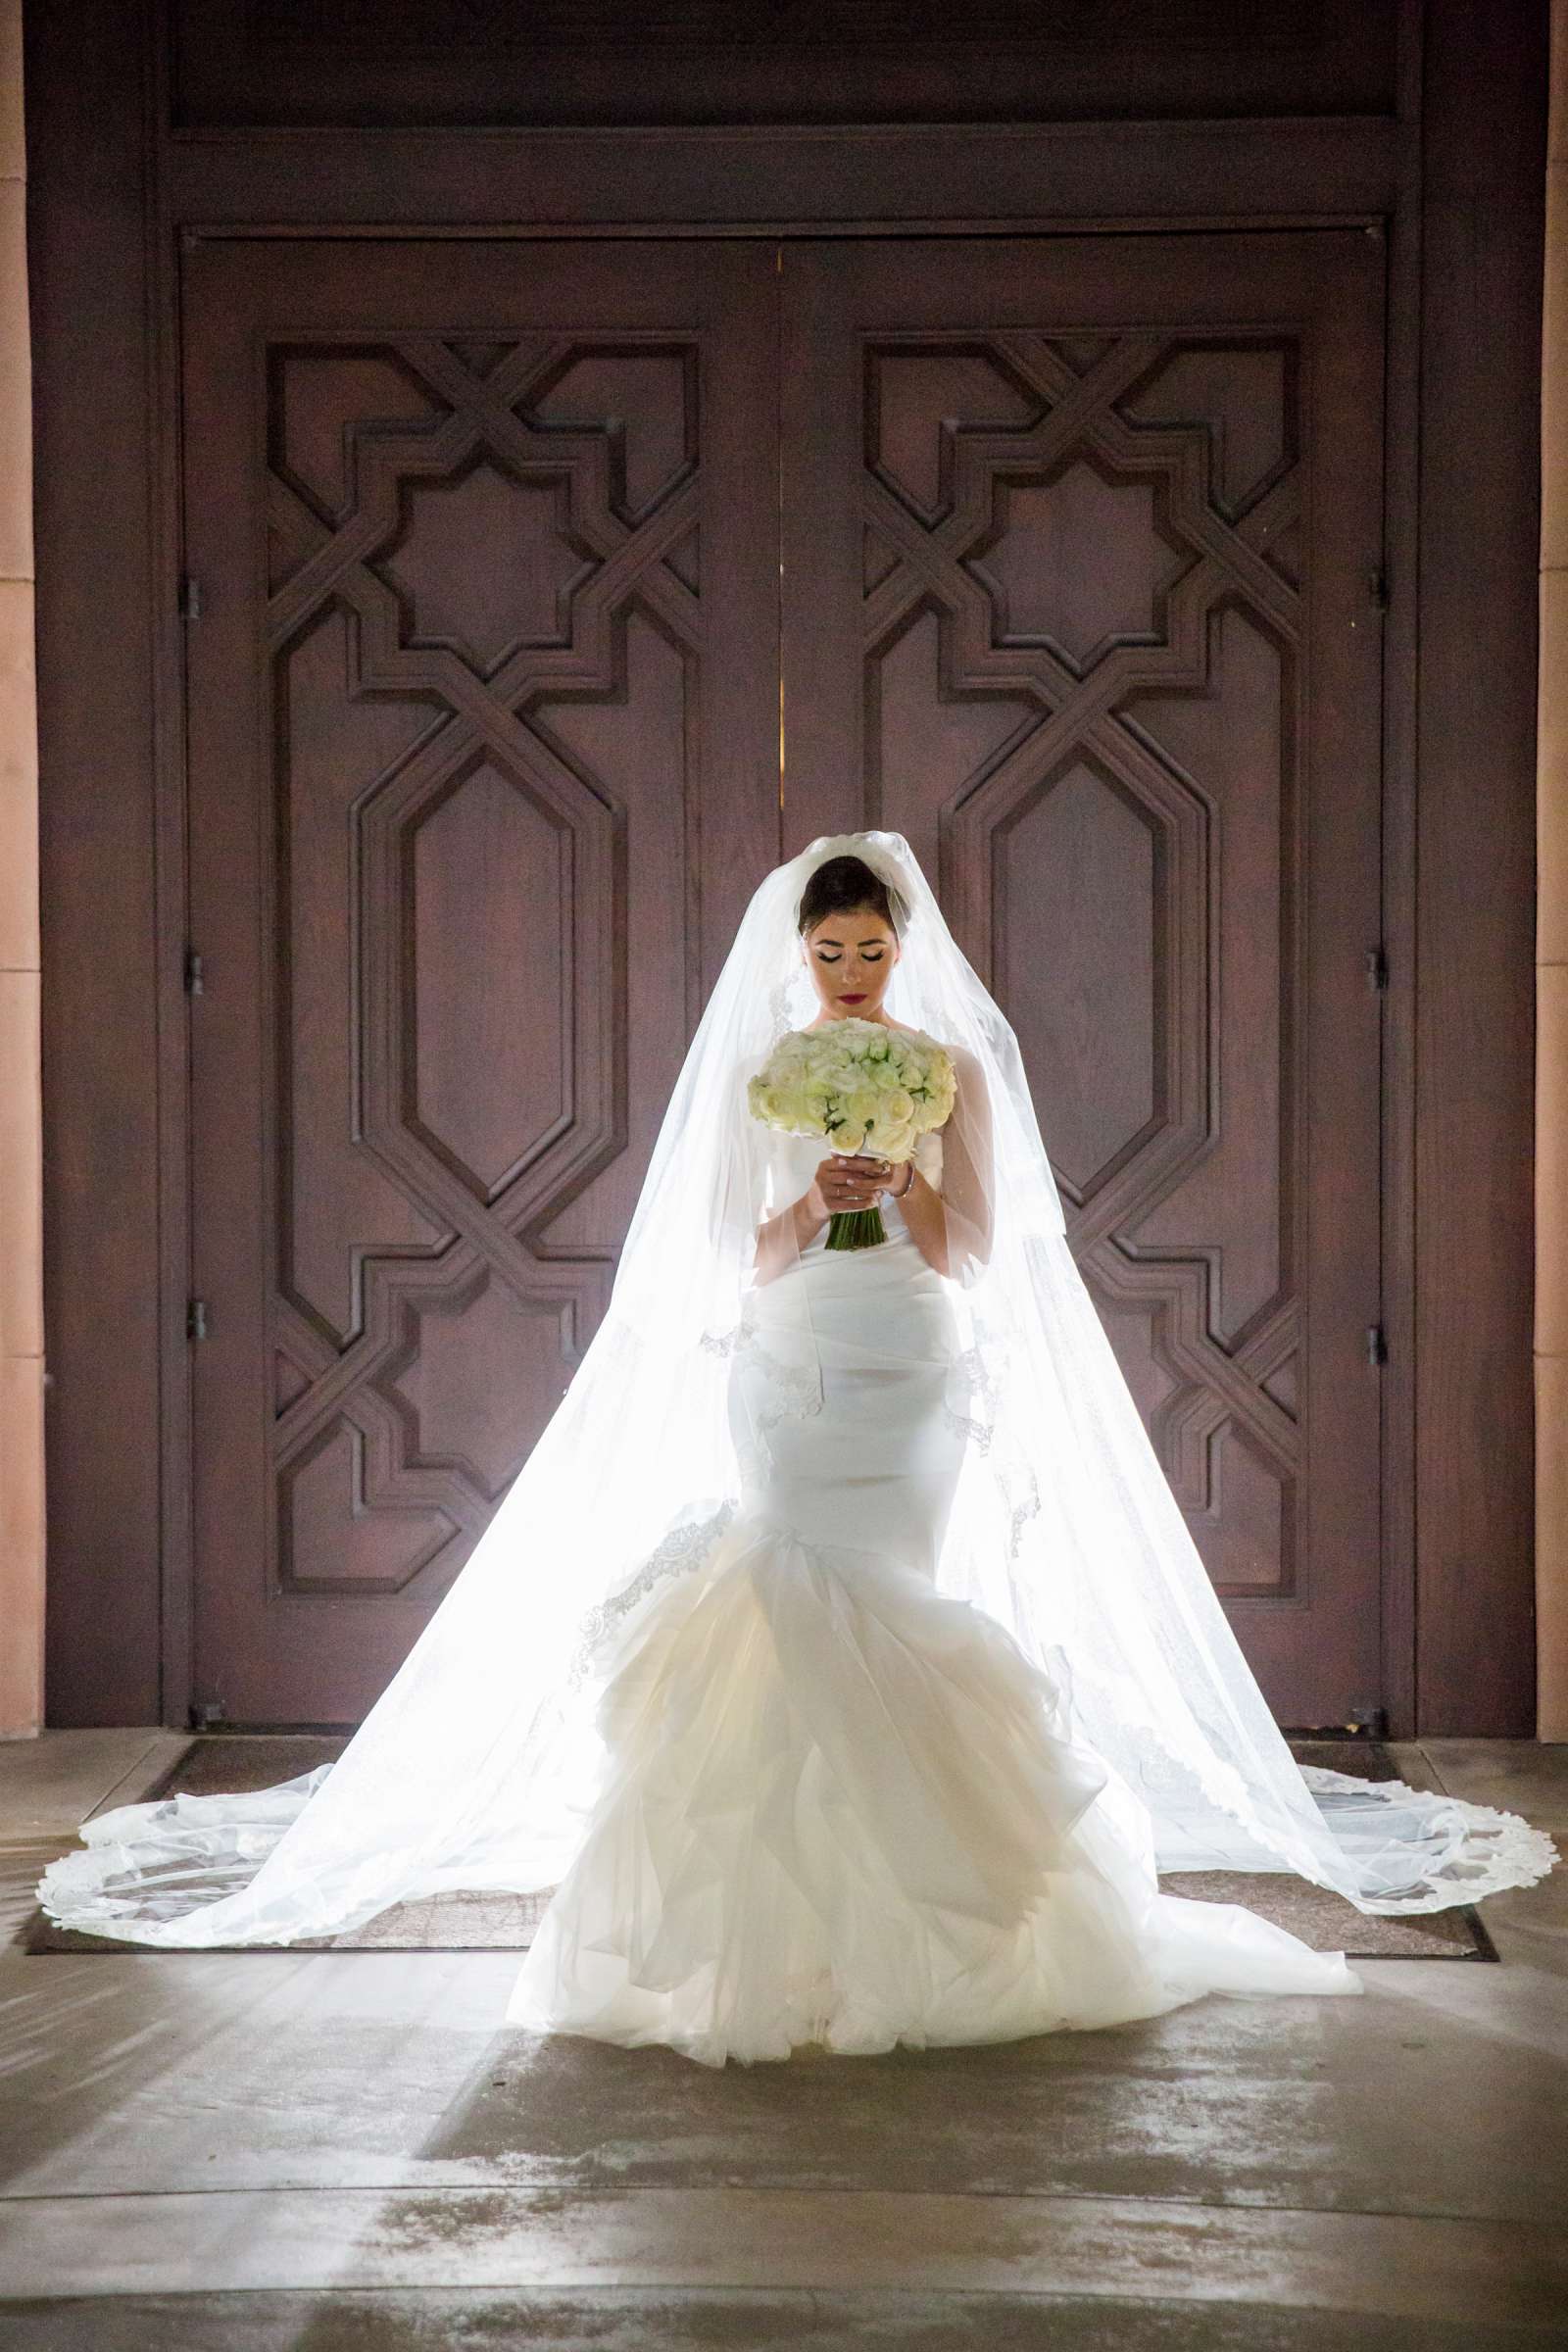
(114, 193)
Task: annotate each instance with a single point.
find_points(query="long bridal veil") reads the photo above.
(477, 1766)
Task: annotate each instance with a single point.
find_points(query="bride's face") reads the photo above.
(851, 958)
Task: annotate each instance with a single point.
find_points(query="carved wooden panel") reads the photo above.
(1115, 674)
(489, 617)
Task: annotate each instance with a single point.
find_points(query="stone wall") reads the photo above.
(22, 1368)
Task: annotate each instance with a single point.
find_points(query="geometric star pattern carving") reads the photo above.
(981, 514)
(372, 517)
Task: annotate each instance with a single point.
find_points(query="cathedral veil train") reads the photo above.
(840, 1657)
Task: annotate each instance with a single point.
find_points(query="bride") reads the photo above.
(840, 1657)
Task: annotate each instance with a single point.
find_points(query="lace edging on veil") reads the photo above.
(470, 1771)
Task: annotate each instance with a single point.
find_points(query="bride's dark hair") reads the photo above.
(837, 887)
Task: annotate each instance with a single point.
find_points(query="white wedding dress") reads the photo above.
(840, 1661)
(840, 1806)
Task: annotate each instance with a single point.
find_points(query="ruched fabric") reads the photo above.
(839, 1805)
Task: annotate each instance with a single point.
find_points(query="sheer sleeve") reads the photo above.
(968, 1172)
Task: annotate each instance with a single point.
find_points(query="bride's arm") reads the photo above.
(951, 1228)
(843, 1181)
(781, 1239)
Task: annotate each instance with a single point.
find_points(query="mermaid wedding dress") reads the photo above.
(841, 1805)
(840, 1661)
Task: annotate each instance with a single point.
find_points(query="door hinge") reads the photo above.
(205, 1713)
(190, 597)
(1377, 968)
(195, 981)
(196, 1319)
(1377, 1343)
(1376, 588)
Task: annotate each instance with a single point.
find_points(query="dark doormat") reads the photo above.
(235, 1761)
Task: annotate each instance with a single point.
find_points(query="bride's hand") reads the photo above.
(846, 1180)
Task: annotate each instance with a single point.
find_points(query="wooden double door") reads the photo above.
(545, 594)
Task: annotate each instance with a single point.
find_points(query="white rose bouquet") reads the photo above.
(860, 1085)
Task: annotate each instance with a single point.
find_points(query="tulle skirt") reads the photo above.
(839, 1805)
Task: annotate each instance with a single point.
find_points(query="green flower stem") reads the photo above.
(856, 1229)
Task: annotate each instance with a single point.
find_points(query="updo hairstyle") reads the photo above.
(838, 886)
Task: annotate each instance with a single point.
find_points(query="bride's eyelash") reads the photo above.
(872, 958)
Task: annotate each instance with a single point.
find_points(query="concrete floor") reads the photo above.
(336, 2149)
